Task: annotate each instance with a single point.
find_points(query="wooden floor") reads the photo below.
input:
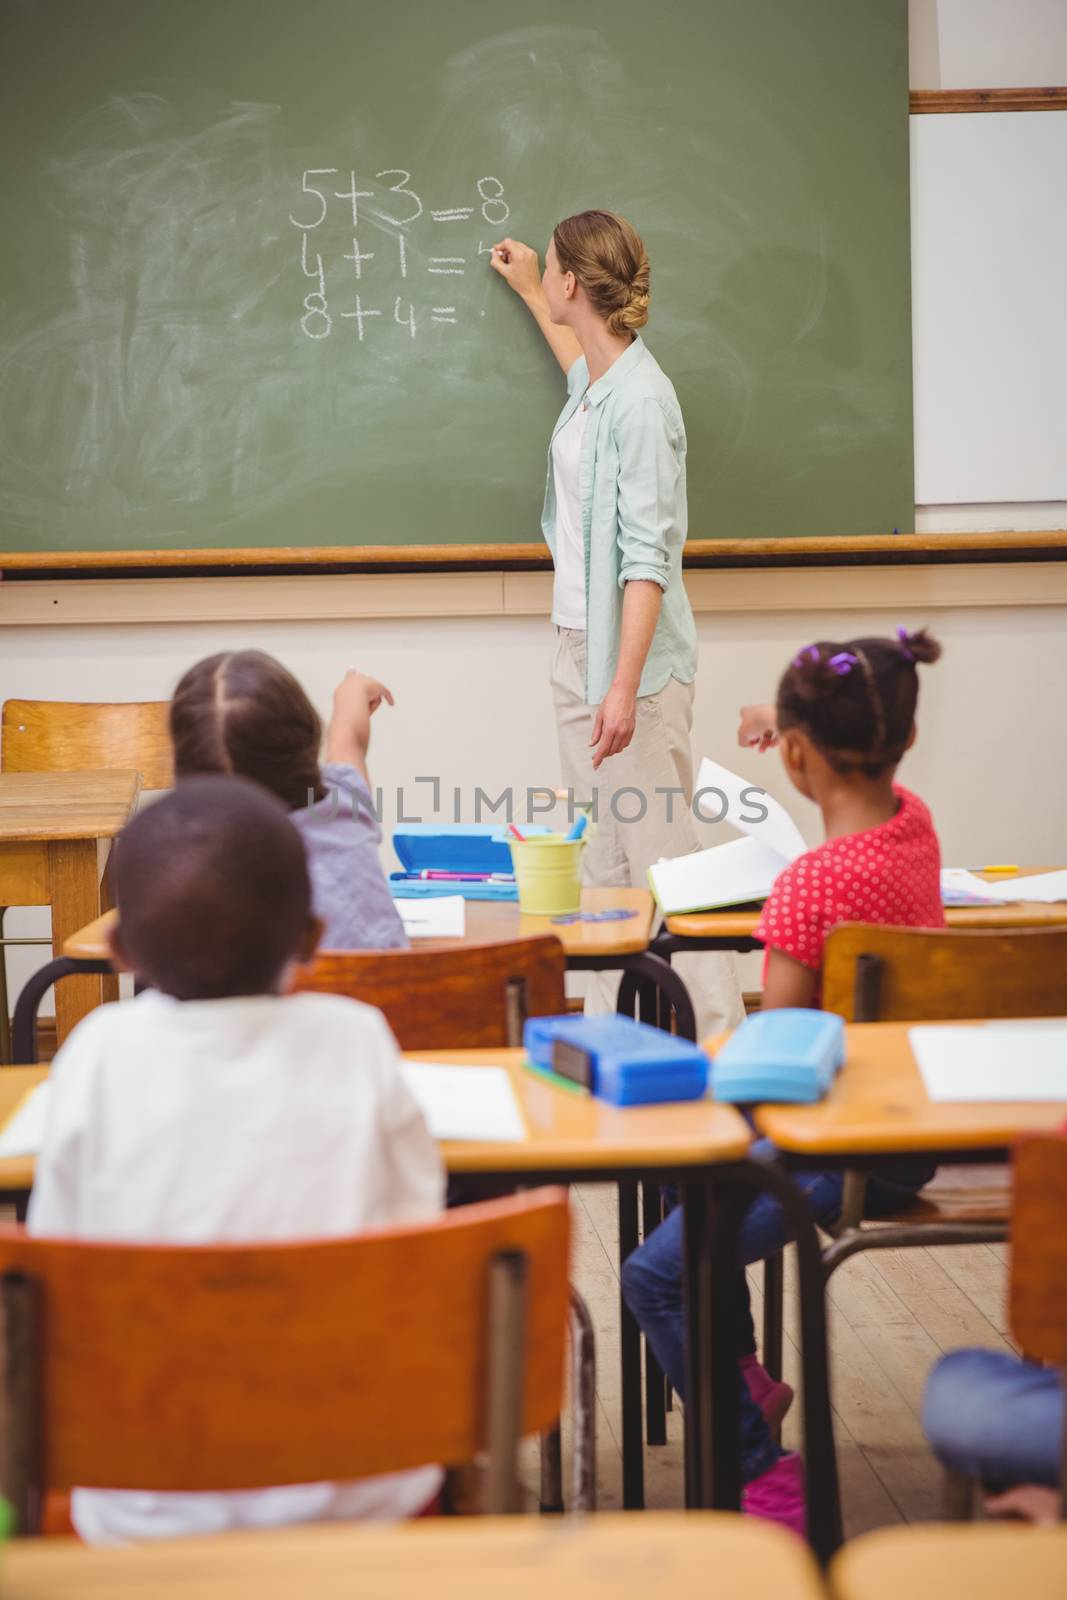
(892, 1314)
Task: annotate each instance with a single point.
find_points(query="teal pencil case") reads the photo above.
(790, 1056)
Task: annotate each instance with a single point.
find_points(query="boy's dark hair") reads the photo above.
(856, 701)
(212, 889)
(242, 713)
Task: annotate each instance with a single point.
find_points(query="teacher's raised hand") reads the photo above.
(519, 267)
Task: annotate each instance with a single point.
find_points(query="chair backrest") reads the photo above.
(464, 998)
(872, 973)
(1038, 1286)
(72, 736)
(237, 1367)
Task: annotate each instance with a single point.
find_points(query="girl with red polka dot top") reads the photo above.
(844, 718)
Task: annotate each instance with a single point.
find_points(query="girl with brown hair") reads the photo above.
(241, 713)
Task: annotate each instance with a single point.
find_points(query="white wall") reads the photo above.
(987, 44)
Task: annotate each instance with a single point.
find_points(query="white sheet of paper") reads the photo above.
(725, 875)
(1046, 887)
(993, 1061)
(777, 830)
(443, 917)
(23, 1132)
(466, 1102)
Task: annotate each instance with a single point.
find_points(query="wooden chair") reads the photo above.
(477, 997)
(72, 736)
(1037, 1292)
(470, 997)
(188, 1368)
(873, 973)
(934, 1562)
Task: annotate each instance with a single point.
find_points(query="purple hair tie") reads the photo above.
(843, 662)
(903, 635)
(809, 653)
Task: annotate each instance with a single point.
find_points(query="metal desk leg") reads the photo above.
(696, 1197)
(655, 1383)
(824, 1505)
(633, 1463)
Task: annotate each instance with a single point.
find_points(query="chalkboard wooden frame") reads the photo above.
(905, 549)
(934, 102)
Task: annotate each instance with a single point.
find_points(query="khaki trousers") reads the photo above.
(642, 807)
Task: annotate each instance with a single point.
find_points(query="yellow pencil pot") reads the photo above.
(548, 874)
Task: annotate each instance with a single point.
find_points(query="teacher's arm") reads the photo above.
(520, 269)
(650, 466)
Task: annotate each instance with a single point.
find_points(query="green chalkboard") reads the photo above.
(206, 340)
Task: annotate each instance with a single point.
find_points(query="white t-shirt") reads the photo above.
(568, 591)
(247, 1120)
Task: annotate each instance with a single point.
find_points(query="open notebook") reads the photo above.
(729, 874)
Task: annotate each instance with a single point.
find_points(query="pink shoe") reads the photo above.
(778, 1496)
(771, 1395)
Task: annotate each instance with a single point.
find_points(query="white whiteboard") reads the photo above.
(989, 316)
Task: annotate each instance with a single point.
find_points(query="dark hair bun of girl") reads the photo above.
(921, 647)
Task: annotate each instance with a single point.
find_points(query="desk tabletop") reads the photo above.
(658, 1556)
(879, 1106)
(983, 1561)
(570, 1130)
(16, 1172)
(494, 921)
(47, 806)
(488, 922)
(733, 924)
(565, 1130)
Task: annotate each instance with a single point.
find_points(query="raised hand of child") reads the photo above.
(758, 729)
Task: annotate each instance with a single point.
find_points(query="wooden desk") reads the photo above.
(573, 1138)
(732, 929)
(488, 922)
(56, 830)
(878, 1107)
(589, 947)
(981, 1561)
(16, 1172)
(662, 1556)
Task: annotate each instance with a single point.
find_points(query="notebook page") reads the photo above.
(466, 1102)
(745, 801)
(993, 1061)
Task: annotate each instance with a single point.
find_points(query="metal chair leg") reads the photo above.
(655, 1383)
(957, 1491)
(773, 1301)
(5, 1004)
(504, 1381)
(551, 1495)
(633, 1463)
(583, 1405)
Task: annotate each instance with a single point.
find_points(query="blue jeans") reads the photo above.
(996, 1417)
(652, 1282)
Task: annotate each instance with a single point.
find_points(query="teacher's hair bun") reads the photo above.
(609, 260)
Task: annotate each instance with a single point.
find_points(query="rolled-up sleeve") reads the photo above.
(650, 475)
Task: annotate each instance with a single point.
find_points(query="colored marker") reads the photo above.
(515, 834)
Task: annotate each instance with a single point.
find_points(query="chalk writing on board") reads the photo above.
(384, 211)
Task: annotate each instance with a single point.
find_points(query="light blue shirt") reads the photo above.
(631, 486)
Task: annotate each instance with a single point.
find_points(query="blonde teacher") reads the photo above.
(615, 522)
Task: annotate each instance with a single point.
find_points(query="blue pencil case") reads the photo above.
(404, 888)
(790, 1056)
(622, 1061)
(464, 847)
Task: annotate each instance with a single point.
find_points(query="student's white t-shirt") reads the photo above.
(247, 1120)
(568, 591)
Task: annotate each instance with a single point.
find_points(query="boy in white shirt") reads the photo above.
(214, 1108)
